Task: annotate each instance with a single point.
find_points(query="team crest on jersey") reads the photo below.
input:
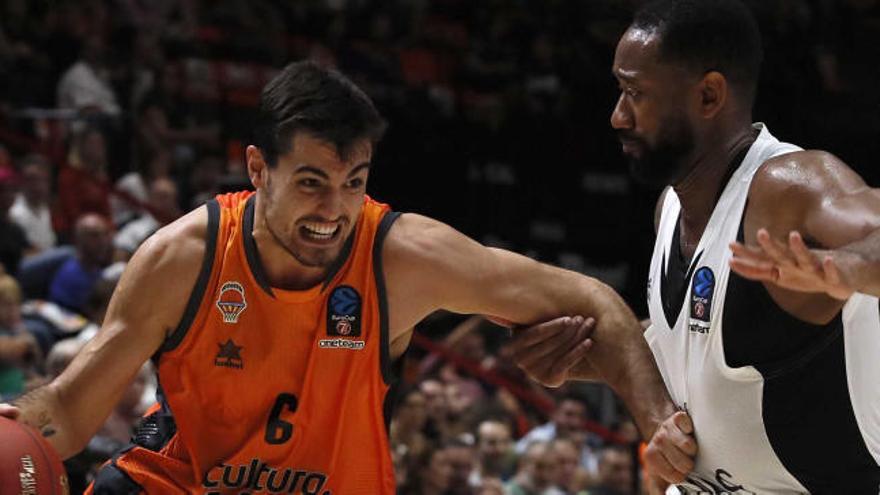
(231, 302)
(344, 312)
(701, 299)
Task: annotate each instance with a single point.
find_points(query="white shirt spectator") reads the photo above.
(132, 183)
(135, 232)
(82, 87)
(547, 433)
(35, 222)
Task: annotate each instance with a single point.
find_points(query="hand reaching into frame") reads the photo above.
(793, 266)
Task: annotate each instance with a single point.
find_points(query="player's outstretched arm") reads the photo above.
(147, 304)
(812, 198)
(430, 266)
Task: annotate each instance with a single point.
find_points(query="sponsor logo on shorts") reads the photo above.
(259, 477)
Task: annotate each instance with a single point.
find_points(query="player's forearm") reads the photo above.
(860, 264)
(43, 409)
(621, 357)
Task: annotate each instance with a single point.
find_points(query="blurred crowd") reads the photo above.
(118, 115)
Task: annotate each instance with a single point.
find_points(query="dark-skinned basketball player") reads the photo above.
(777, 362)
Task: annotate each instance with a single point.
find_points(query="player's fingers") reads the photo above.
(838, 287)
(571, 358)
(658, 465)
(829, 268)
(527, 337)
(683, 421)
(9, 411)
(773, 248)
(550, 349)
(805, 259)
(681, 462)
(748, 252)
(683, 442)
(754, 270)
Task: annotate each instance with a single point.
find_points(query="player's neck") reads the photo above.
(282, 270)
(710, 171)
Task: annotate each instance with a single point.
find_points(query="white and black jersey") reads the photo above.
(779, 406)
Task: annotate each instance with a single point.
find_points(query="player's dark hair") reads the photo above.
(322, 102)
(707, 35)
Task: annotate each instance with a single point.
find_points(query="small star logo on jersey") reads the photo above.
(229, 355)
(231, 301)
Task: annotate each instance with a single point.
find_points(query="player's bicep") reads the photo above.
(147, 302)
(507, 285)
(845, 210)
(430, 266)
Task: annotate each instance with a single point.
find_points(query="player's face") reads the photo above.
(314, 198)
(651, 116)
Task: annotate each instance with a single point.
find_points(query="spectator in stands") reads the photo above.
(537, 472)
(430, 474)
(163, 201)
(437, 427)
(462, 461)
(496, 459)
(13, 241)
(82, 187)
(19, 352)
(77, 277)
(406, 428)
(464, 399)
(570, 476)
(31, 208)
(615, 472)
(568, 421)
(154, 164)
(85, 86)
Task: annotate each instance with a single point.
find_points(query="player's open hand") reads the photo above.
(548, 351)
(791, 266)
(671, 451)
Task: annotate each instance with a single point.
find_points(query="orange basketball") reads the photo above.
(28, 464)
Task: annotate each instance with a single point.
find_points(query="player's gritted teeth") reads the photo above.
(320, 232)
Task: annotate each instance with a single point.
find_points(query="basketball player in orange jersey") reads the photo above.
(276, 319)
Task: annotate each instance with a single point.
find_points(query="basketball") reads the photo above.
(28, 464)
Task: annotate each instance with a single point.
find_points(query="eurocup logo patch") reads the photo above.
(231, 302)
(344, 312)
(701, 299)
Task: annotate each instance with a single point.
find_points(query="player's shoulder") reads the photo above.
(178, 247)
(415, 236)
(806, 170)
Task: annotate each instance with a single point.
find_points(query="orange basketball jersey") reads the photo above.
(265, 390)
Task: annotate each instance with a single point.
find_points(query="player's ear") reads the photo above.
(257, 167)
(713, 94)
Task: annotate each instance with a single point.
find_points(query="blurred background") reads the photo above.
(116, 116)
